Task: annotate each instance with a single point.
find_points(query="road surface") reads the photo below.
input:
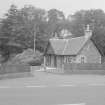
(51, 89)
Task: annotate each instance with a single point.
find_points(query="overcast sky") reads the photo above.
(67, 6)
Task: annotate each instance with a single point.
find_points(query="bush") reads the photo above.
(29, 57)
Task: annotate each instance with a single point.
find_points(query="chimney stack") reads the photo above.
(88, 32)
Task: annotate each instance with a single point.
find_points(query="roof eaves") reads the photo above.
(102, 54)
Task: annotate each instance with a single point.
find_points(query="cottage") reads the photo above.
(72, 50)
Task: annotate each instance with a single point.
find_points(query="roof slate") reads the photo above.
(66, 46)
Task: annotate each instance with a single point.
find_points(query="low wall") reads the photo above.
(16, 75)
(94, 68)
(18, 68)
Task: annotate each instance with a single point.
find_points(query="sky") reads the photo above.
(67, 6)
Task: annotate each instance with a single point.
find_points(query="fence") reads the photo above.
(54, 70)
(92, 68)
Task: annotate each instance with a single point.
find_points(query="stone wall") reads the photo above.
(92, 68)
(18, 68)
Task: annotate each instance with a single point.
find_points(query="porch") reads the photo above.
(54, 61)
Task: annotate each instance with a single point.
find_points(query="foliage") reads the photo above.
(96, 18)
(55, 18)
(20, 25)
(28, 57)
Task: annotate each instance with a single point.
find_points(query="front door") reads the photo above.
(55, 61)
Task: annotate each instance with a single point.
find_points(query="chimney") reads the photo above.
(55, 37)
(88, 32)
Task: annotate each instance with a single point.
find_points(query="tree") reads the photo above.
(20, 25)
(55, 18)
(96, 18)
(9, 21)
(32, 19)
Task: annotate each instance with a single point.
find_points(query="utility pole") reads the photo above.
(36, 29)
(34, 38)
(34, 41)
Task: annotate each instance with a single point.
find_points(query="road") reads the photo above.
(46, 90)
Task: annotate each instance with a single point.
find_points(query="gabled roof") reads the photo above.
(56, 46)
(66, 46)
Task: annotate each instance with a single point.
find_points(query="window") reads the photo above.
(69, 59)
(83, 59)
